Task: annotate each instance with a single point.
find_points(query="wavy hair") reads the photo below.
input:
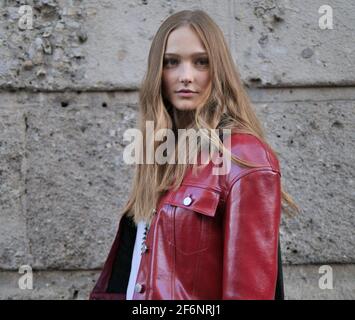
(225, 105)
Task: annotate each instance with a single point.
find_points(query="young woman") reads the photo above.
(187, 232)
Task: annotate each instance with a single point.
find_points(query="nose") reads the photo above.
(185, 73)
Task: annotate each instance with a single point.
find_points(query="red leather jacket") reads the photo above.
(220, 243)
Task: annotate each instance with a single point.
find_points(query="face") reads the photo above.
(186, 67)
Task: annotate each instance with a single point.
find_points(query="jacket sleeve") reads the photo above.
(251, 230)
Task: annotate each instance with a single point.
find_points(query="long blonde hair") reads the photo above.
(224, 106)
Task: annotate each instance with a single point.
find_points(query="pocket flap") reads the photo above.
(195, 198)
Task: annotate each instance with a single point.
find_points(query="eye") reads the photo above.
(170, 61)
(202, 61)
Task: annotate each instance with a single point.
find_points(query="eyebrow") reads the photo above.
(193, 54)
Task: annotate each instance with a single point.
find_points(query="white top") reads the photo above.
(136, 259)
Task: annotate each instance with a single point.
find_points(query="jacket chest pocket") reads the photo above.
(193, 209)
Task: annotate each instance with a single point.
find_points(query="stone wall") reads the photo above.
(69, 89)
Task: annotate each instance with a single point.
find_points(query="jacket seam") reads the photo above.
(205, 186)
(150, 287)
(266, 152)
(173, 249)
(266, 169)
(265, 149)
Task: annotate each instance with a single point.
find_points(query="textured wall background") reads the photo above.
(69, 89)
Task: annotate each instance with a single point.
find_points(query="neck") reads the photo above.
(183, 119)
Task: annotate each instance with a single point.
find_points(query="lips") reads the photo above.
(185, 91)
(186, 94)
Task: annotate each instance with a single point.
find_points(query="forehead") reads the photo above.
(184, 41)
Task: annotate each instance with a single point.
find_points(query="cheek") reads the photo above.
(166, 82)
(205, 79)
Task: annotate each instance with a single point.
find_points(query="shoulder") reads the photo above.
(250, 148)
(222, 176)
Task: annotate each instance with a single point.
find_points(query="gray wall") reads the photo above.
(69, 89)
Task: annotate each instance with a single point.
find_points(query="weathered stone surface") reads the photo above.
(63, 113)
(75, 178)
(48, 285)
(300, 282)
(315, 139)
(13, 238)
(91, 44)
(104, 45)
(70, 180)
(280, 43)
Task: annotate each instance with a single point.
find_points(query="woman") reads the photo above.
(186, 232)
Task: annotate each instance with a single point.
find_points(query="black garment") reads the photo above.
(279, 292)
(122, 266)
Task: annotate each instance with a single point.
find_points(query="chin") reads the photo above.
(185, 106)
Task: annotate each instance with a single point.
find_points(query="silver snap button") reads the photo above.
(187, 201)
(144, 248)
(138, 288)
